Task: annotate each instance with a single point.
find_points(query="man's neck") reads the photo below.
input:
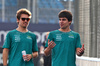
(22, 29)
(65, 30)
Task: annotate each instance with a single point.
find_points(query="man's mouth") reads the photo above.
(61, 24)
(25, 23)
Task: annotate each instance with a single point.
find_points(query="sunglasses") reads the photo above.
(23, 19)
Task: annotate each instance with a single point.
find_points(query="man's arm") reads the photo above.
(47, 51)
(80, 51)
(35, 54)
(5, 56)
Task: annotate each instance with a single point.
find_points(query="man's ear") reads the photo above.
(70, 22)
(17, 21)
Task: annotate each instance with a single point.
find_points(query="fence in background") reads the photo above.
(87, 61)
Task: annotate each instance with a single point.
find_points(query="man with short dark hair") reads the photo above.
(64, 43)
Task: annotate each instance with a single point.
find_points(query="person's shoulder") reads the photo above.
(12, 31)
(75, 33)
(31, 33)
(55, 31)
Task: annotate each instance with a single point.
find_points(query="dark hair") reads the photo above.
(23, 11)
(65, 13)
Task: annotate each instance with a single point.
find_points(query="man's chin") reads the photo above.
(24, 27)
(63, 28)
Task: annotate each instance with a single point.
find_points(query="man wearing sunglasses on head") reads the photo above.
(18, 40)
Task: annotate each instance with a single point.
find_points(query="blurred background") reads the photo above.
(86, 21)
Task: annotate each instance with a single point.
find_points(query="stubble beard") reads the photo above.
(24, 27)
(64, 27)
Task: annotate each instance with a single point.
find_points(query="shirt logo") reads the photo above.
(58, 37)
(17, 38)
(29, 37)
(71, 36)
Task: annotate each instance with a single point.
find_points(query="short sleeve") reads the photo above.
(78, 42)
(50, 37)
(34, 45)
(7, 42)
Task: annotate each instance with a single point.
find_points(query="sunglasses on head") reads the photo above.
(23, 19)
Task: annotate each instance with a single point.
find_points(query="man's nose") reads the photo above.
(25, 20)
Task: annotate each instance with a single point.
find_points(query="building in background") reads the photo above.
(87, 23)
(43, 11)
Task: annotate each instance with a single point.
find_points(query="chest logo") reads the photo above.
(71, 36)
(58, 37)
(17, 38)
(29, 37)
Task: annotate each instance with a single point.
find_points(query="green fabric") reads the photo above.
(64, 53)
(16, 42)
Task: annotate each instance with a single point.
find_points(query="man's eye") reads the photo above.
(64, 19)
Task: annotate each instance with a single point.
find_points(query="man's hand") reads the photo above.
(51, 44)
(27, 57)
(80, 51)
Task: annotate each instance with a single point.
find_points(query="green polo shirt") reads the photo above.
(16, 42)
(64, 53)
